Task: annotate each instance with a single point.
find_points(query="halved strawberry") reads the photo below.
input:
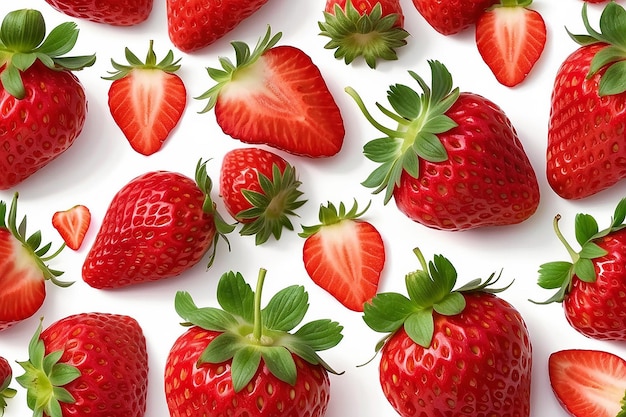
(275, 95)
(589, 382)
(510, 38)
(147, 99)
(343, 255)
(72, 224)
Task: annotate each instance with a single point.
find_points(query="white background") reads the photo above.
(101, 161)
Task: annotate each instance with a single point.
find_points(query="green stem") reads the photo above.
(421, 258)
(258, 322)
(58, 251)
(389, 132)
(573, 254)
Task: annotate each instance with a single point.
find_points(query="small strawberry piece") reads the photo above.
(246, 360)
(112, 12)
(344, 255)
(147, 99)
(23, 269)
(449, 17)
(72, 225)
(275, 95)
(261, 190)
(87, 364)
(371, 29)
(589, 382)
(5, 380)
(510, 38)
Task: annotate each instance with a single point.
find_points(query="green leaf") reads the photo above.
(620, 213)
(320, 334)
(429, 147)
(387, 312)
(11, 80)
(404, 100)
(613, 24)
(420, 327)
(591, 250)
(244, 366)
(614, 80)
(221, 349)
(60, 40)
(286, 309)
(410, 163)
(422, 289)
(584, 270)
(603, 57)
(235, 296)
(383, 149)
(450, 305)
(209, 318)
(553, 274)
(441, 81)
(63, 374)
(585, 227)
(280, 363)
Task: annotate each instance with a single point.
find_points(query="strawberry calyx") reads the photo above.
(420, 118)
(431, 291)
(610, 58)
(329, 215)
(369, 35)
(250, 333)
(232, 71)
(512, 3)
(560, 274)
(44, 377)
(167, 64)
(23, 41)
(32, 243)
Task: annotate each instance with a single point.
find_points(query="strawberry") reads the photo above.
(371, 29)
(449, 17)
(454, 162)
(259, 189)
(243, 360)
(584, 152)
(87, 364)
(275, 95)
(112, 12)
(23, 268)
(146, 99)
(42, 103)
(196, 24)
(592, 286)
(463, 352)
(72, 224)
(588, 382)
(344, 255)
(510, 38)
(6, 392)
(159, 225)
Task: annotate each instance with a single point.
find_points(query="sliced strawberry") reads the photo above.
(344, 256)
(589, 382)
(72, 225)
(147, 99)
(275, 95)
(510, 38)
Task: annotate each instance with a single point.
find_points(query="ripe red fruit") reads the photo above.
(112, 12)
(261, 190)
(43, 104)
(585, 153)
(463, 352)
(276, 95)
(244, 360)
(592, 286)
(157, 226)
(6, 392)
(87, 364)
(454, 162)
(147, 99)
(371, 29)
(195, 24)
(344, 255)
(452, 16)
(72, 225)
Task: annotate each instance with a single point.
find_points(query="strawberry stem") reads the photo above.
(257, 332)
(357, 98)
(573, 254)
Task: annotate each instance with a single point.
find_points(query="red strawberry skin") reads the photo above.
(479, 364)
(487, 180)
(112, 12)
(37, 129)
(110, 352)
(154, 228)
(452, 16)
(195, 24)
(207, 390)
(585, 131)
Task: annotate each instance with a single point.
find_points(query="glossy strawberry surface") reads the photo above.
(112, 12)
(451, 16)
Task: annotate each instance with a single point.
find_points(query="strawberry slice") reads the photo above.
(147, 99)
(589, 382)
(72, 225)
(510, 38)
(343, 255)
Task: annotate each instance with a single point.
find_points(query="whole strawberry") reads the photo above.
(112, 12)
(261, 190)
(454, 161)
(585, 153)
(371, 29)
(244, 360)
(6, 373)
(88, 364)
(23, 268)
(157, 226)
(42, 103)
(592, 286)
(195, 24)
(454, 353)
(277, 96)
(449, 17)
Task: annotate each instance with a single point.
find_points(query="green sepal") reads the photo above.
(6, 393)
(330, 214)
(167, 64)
